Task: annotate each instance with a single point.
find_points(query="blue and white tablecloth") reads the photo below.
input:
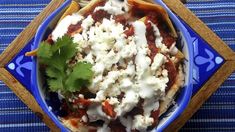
(217, 114)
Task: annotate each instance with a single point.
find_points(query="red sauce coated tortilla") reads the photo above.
(99, 15)
(151, 40)
(168, 40)
(129, 32)
(155, 116)
(72, 28)
(172, 73)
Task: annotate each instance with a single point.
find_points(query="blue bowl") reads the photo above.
(172, 113)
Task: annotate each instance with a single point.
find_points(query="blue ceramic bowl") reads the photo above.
(183, 98)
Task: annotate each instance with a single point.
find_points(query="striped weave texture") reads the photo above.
(217, 114)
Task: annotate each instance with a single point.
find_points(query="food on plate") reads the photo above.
(114, 65)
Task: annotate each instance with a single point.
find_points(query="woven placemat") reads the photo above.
(17, 117)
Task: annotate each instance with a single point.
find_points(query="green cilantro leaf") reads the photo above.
(55, 84)
(80, 76)
(55, 58)
(44, 50)
(52, 72)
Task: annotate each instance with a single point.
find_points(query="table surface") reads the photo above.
(217, 114)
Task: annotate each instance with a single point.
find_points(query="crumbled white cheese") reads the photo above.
(126, 83)
(157, 61)
(129, 50)
(86, 23)
(98, 68)
(89, 58)
(94, 87)
(164, 49)
(81, 96)
(113, 91)
(164, 73)
(62, 27)
(130, 70)
(114, 7)
(95, 113)
(110, 59)
(141, 122)
(113, 101)
(84, 118)
(127, 122)
(129, 101)
(150, 105)
(110, 79)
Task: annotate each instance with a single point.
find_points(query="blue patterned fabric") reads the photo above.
(15, 15)
(217, 114)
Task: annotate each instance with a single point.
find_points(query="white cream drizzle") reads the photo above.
(62, 27)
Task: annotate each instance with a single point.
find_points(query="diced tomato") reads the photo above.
(74, 122)
(108, 109)
(83, 102)
(130, 31)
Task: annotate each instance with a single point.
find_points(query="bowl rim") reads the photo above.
(189, 87)
(34, 74)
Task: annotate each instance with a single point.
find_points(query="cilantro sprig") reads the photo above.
(61, 77)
